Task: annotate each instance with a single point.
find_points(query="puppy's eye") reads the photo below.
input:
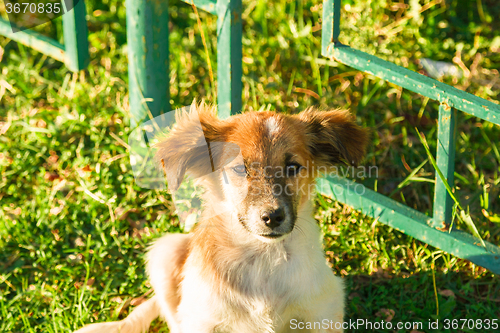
(293, 169)
(240, 169)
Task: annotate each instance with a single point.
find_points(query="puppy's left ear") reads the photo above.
(195, 145)
(334, 137)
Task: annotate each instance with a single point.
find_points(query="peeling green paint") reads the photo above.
(206, 5)
(229, 57)
(445, 160)
(148, 49)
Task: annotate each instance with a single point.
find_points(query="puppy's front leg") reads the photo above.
(328, 308)
(198, 327)
(196, 312)
(331, 315)
(196, 322)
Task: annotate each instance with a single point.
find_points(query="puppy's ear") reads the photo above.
(194, 145)
(334, 137)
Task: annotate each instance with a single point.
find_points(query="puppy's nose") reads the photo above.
(273, 218)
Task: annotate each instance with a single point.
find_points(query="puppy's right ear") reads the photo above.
(188, 146)
(334, 137)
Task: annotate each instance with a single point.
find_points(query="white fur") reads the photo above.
(288, 280)
(137, 322)
(272, 126)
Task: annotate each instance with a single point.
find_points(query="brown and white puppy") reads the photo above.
(258, 266)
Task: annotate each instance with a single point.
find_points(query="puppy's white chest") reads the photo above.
(266, 295)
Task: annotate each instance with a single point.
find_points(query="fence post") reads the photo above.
(76, 44)
(330, 25)
(445, 160)
(229, 57)
(148, 52)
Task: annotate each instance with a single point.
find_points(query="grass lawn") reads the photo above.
(74, 226)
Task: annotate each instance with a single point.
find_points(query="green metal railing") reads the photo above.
(147, 34)
(148, 72)
(75, 51)
(399, 216)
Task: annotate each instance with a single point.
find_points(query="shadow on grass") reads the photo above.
(411, 300)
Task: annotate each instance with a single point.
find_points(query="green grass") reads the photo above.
(74, 226)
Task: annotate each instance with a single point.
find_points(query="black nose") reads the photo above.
(273, 218)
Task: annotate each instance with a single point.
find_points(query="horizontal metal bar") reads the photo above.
(416, 82)
(410, 222)
(34, 40)
(206, 5)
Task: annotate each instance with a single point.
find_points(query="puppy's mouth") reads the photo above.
(273, 235)
(270, 236)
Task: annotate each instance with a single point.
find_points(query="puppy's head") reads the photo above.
(268, 161)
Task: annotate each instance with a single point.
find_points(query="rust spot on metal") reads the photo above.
(441, 225)
(445, 105)
(330, 48)
(444, 227)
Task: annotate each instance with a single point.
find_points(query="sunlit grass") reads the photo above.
(74, 226)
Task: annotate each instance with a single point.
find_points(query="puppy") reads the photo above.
(254, 262)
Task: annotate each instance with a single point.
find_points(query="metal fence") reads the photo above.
(75, 51)
(147, 34)
(435, 230)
